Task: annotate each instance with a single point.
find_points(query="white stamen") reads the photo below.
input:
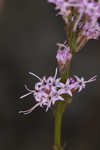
(60, 45)
(92, 79)
(29, 110)
(55, 73)
(27, 88)
(26, 94)
(35, 75)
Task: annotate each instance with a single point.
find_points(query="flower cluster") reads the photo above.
(83, 13)
(63, 56)
(48, 91)
(81, 17)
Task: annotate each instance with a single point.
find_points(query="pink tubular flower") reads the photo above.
(91, 31)
(68, 86)
(63, 56)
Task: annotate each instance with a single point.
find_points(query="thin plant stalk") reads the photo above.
(58, 119)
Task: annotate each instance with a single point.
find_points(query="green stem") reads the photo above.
(58, 118)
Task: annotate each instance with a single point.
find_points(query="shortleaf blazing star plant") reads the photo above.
(81, 19)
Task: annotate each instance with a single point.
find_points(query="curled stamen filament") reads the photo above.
(29, 110)
(30, 92)
(92, 79)
(35, 75)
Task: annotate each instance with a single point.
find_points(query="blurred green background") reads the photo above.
(29, 31)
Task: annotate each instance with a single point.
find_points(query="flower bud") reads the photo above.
(63, 57)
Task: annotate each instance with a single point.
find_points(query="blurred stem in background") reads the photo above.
(2, 5)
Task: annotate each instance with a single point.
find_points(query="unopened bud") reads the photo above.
(63, 57)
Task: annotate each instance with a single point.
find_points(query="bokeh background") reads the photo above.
(29, 31)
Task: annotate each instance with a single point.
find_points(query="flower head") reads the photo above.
(46, 92)
(84, 12)
(49, 90)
